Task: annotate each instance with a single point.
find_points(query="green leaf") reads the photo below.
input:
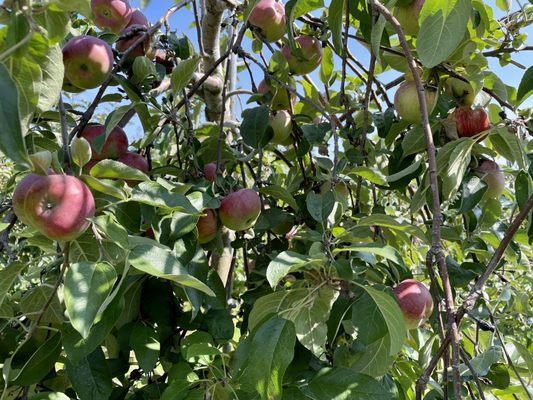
(287, 262)
(11, 139)
(87, 286)
(374, 359)
(160, 262)
(345, 384)
(143, 341)
(91, 378)
(454, 173)
(442, 27)
(111, 188)
(335, 19)
(270, 352)
(39, 364)
(526, 86)
(111, 122)
(525, 354)
(327, 66)
(371, 175)
(482, 363)
(508, 145)
(50, 396)
(52, 78)
(414, 141)
(274, 303)
(368, 320)
(155, 194)
(387, 221)
(33, 302)
(111, 169)
(310, 324)
(387, 306)
(320, 206)
(8, 276)
(183, 73)
(254, 126)
(386, 251)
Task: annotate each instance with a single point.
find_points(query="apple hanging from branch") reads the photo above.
(309, 59)
(491, 173)
(470, 121)
(415, 301)
(239, 210)
(111, 14)
(406, 101)
(115, 146)
(269, 17)
(207, 226)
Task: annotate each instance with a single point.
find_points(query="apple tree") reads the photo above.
(325, 200)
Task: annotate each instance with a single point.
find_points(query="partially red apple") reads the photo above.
(112, 14)
(269, 17)
(415, 301)
(115, 146)
(239, 210)
(407, 105)
(491, 173)
(282, 99)
(132, 33)
(207, 226)
(88, 61)
(59, 206)
(470, 121)
(210, 171)
(311, 55)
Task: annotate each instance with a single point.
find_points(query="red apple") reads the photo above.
(461, 91)
(112, 14)
(115, 146)
(136, 161)
(408, 15)
(407, 105)
(282, 99)
(493, 176)
(281, 124)
(269, 17)
(207, 226)
(88, 61)
(210, 172)
(137, 22)
(59, 206)
(311, 55)
(415, 302)
(239, 210)
(470, 121)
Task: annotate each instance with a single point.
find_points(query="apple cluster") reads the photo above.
(89, 60)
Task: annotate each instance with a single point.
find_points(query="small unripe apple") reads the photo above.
(137, 22)
(282, 99)
(408, 15)
(470, 121)
(210, 172)
(493, 176)
(281, 124)
(461, 91)
(407, 105)
(269, 17)
(59, 206)
(136, 161)
(112, 14)
(88, 61)
(207, 226)
(115, 146)
(415, 302)
(311, 55)
(239, 210)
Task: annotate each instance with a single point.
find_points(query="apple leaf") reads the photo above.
(526, 86)
(442, 27)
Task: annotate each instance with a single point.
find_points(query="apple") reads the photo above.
(461, 91)
(310, 58)
(407, 105)
(112, 14)
(207, 226)
(115, 146)
(59, 206)
(239, 210)
(161, 57)
(281, 124)
(210, 172)
(269, 17)
(137, 22)
(470, 121)
(69, 87)
(415, 302)
(136, 161)
(282, 99)
(88, 61)
(408, 15)
(493, 176)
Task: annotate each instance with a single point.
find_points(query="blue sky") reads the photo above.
(182, 22)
